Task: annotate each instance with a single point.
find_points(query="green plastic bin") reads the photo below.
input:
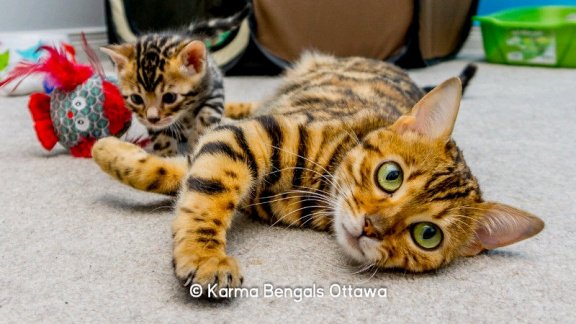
(543, 36)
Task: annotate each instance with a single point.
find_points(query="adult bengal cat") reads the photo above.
(350, 145)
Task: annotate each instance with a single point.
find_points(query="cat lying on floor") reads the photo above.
(349, 145)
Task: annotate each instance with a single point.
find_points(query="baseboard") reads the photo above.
(95, 36)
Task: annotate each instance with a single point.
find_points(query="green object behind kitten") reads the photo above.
(349, 145)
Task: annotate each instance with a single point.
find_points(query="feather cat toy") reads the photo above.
(83, 107)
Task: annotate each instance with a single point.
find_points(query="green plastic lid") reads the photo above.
(533, 17)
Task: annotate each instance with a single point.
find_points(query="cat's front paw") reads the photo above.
(113, 154)
(211, 273)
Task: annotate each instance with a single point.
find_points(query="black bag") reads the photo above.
(409, 33)
(126, 20)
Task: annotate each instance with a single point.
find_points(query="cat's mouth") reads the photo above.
(158, 125)
(351, 243)
(352, 240)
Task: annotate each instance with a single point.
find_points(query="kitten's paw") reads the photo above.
(133, 166)
(219, 271)
(239, 110)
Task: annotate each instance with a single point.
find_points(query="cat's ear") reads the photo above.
(500, 225)
(435, 114)
(193, 56)
(119, 54)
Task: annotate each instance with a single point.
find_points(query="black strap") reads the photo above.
(412, 57)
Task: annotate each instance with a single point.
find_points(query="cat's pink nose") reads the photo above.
(153, 120)
(369, 229)
(153, 115)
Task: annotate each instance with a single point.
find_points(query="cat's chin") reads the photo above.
(160, 125)
(350, 243)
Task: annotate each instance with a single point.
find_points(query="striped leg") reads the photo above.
(224, 169)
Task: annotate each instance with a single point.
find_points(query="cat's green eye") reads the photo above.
(169, 97)
(389, 176)
(427, 235)
(136, 99)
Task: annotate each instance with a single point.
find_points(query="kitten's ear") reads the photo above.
(193, 56)
(119, 54)
(501, 225)
(435, 114)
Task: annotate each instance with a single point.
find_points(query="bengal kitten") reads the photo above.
(346, 144)
(172, 84)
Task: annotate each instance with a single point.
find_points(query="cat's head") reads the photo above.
(408, 200)
(160, 76)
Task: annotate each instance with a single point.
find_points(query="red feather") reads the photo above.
(20, 71)
(92, 57)
(70, 50)
(39, 106)
(61, 71)
(141, 141)
(114, 109)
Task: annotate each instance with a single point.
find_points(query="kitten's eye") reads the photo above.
(136, 99)
(427, 235)
(169, 97)
(389, 176)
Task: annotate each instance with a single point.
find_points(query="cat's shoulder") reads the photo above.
(311, 62)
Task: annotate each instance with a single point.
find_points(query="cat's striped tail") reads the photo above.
(465, 76)
(131, 165)
(213, 27)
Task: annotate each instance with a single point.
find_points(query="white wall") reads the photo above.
(26, 15)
